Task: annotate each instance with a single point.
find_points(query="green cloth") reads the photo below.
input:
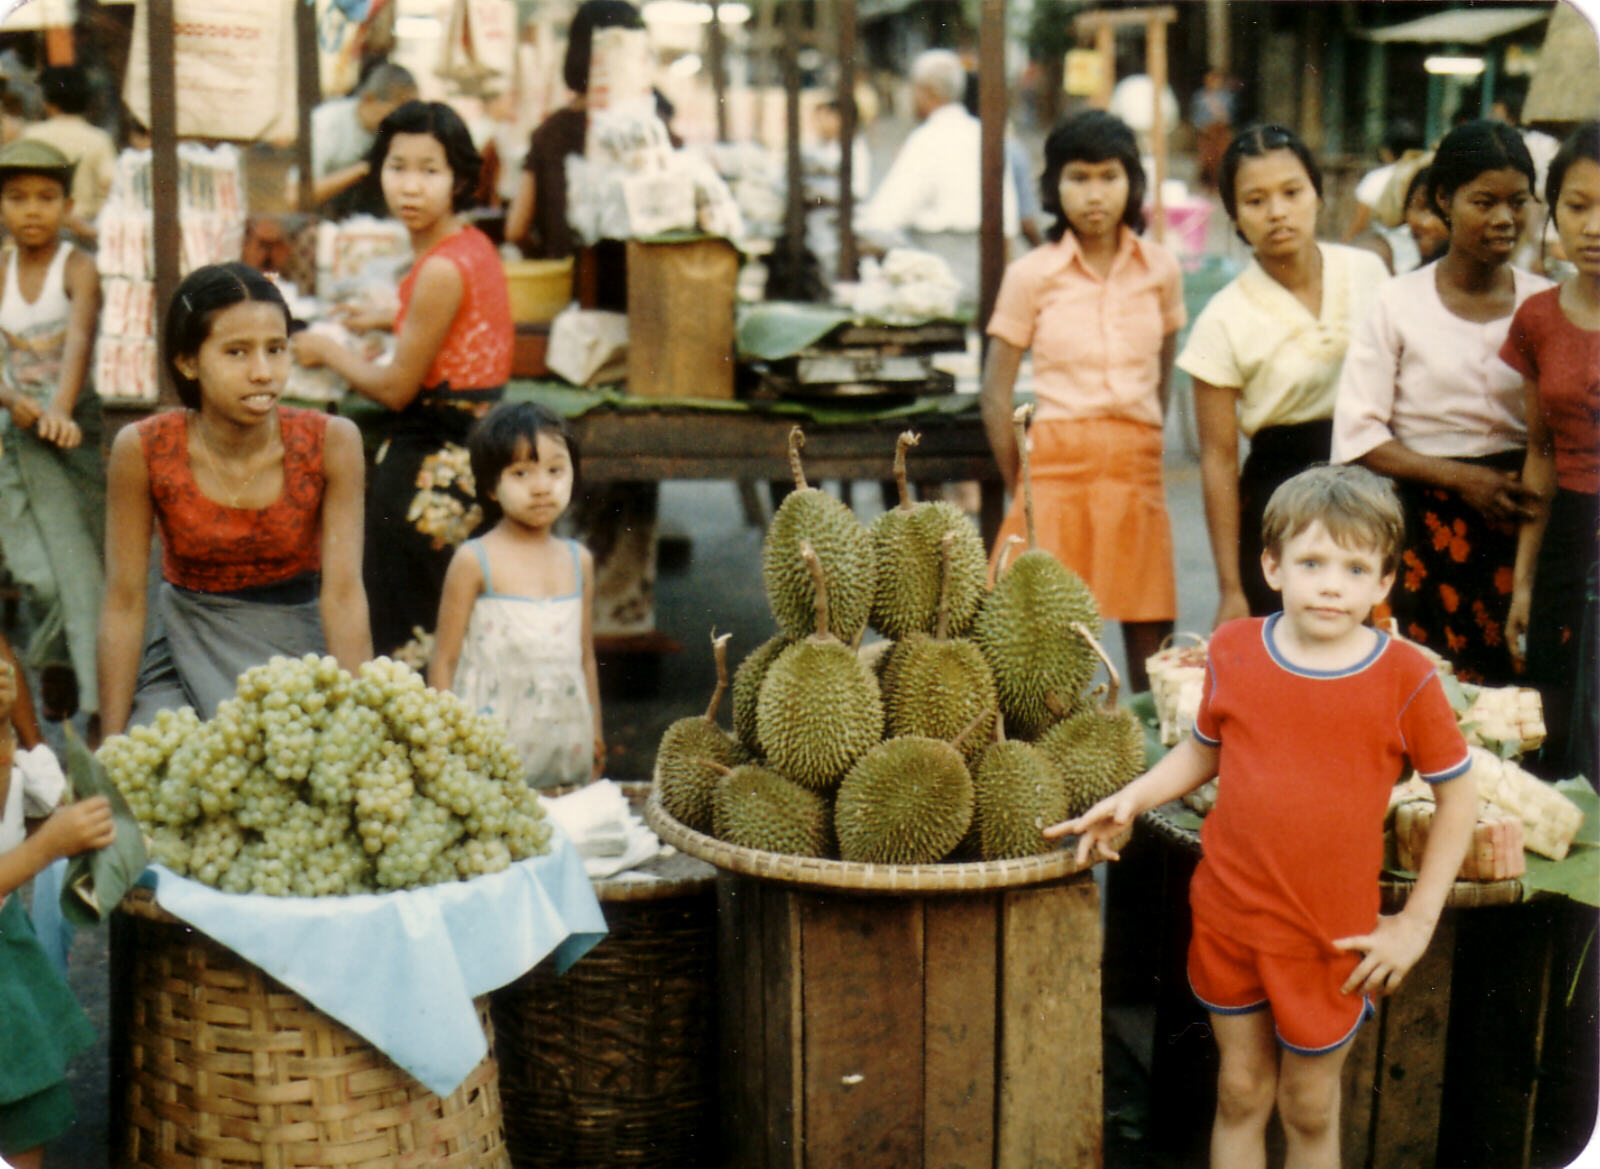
(41, 1024)
(52, 531)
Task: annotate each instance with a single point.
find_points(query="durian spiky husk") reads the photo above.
(1025, 631)
(906, 546)
(1097, 751)
(906, 801)
(936, 688)
(747, 689)
(1018, 793)
(686, 769)
(755, 807)
(818, 711)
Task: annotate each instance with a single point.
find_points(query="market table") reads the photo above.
(1435, 1077)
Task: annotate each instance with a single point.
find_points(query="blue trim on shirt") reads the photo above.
(488, 586)
(1270, 624)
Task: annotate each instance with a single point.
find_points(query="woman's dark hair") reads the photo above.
(1467, 152)
(204, 293)
(1584, 142)
(1256, 142)
(592, 15)
(508, 432)
(1420, 179)
(439, 120)
(1091, 136)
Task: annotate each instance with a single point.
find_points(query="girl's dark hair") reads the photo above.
(1091, 136)
(439, 120)
(501, 436)
(1584, 142)
(1256, 142)
(1469, 150)
(204, 293)
(1420, 179)
(592, 15)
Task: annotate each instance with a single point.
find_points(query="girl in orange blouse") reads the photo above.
(259, 507)
(451, 362)
(1100, 308)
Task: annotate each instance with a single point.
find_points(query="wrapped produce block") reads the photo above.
(1177, 676)
(1496, 851)
(1550, 821)
(1509, 720)
(680, 318)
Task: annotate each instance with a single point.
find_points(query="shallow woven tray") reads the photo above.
(950, 877)
(228, 1069)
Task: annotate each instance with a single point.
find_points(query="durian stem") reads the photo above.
(941, 629)
(1111, 671)
(999, 727)
(712, 765)
(907, 440)
(971, 726)
(820, 581)
(797, 439)
(719, 650)
(1019, 421)
(1005, 556)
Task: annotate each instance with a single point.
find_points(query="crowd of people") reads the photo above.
(1466, 382)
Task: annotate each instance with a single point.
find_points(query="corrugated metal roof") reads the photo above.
(1464, 26)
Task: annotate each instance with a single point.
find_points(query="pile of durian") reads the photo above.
(960, 737)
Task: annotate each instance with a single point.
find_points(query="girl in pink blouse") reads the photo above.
(1100, 308)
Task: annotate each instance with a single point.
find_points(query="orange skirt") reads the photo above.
(1100, 508)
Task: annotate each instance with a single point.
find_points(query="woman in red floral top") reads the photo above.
(452, 360)
(258, 505)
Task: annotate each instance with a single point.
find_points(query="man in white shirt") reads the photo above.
(344, 129)
(930, 199)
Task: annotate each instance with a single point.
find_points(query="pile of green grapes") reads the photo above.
(312, 783)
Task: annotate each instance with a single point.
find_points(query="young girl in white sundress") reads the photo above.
(515, 634)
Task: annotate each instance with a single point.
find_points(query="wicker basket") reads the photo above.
(614, 1062)
(227, 1069)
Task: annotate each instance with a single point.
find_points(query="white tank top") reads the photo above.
(17, 313)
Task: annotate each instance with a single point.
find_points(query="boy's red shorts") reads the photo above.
(1311, 1014)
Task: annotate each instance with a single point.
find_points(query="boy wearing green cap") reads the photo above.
(52, 480)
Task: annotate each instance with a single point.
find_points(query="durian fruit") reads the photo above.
(1025, 625)
(908, 801)
(819, 709)
(1099, 749)
(691, 752)
(906, 544)
(875, 656)
(845, 548)
(1018, 792)
(747, 689)
(755, 807)
(938, 685)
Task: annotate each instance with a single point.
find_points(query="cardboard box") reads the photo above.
(680, 318)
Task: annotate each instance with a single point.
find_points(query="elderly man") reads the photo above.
(343, 130)
(930, 198)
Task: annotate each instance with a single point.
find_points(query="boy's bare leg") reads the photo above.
(1247, 1088)
(1308, 1104)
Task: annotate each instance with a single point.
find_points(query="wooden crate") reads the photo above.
(680, 318)
(957, 1030)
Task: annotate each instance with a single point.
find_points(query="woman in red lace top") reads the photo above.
(451, 362)
(258, 505)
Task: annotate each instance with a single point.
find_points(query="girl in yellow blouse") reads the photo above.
(1100, 308)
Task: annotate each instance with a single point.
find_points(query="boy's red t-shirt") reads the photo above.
(1294, 846)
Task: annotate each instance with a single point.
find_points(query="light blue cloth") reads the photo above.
(401, 969)
(54, 931)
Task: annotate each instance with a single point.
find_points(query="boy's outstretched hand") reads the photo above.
(1098, 827)
(79, 827)
(1392, 949)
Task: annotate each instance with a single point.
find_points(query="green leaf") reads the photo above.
(97, 880)
(773, 330)
(1455, 693)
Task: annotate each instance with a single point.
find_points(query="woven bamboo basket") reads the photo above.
(228, 1069)
(614, 1062)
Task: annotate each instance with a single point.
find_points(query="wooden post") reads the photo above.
(308, 92)
(1105, 47)
(992, 114)
(847, 139)
(166, 239)
(1155, 63)
(794, 218)
(58, 45)
(718, 49)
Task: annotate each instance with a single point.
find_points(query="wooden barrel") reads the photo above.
(223, 1066)
(904, 1015)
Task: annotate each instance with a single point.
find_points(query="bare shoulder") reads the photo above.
(81, 271)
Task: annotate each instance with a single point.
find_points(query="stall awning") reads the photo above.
(1462, 26)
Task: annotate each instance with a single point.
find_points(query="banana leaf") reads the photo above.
(97, 880)
(1577, 875)
(777, 329)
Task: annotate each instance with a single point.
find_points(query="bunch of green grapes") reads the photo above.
(310, 782)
